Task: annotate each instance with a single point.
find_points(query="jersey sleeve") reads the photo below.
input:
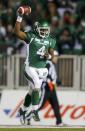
(53, 43)
(54, 46)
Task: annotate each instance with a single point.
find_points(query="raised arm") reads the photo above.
(17, 28)
(20, 34)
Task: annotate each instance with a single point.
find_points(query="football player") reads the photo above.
(48, 92)
(40, 47)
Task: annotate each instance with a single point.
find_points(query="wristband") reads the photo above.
(19, 19)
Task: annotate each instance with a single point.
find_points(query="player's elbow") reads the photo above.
(17, 33)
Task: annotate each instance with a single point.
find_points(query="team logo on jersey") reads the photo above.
(41, 42)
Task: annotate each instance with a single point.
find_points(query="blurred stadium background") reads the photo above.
(67, 18)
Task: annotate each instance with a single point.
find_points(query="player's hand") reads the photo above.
(24, 10)
(46, 55)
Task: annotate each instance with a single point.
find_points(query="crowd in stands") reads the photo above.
(67, 18)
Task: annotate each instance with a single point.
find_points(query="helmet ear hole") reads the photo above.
(36, 23)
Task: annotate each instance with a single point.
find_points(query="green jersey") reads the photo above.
(36, 48)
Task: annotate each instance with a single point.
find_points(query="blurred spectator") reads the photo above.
(80, 9)
(7, 17)
(81, 35)
(2, 36)
(2, 32)
(66, 41)
(69, 21)
(52, 9)
(63, 6)
(10, 37)
(39, 13)
(54, 25)
(66, 16)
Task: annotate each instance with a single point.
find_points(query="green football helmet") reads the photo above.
(43, 29)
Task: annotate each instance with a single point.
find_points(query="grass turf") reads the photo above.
(42, 129)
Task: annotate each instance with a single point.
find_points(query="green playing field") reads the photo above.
(42, 129)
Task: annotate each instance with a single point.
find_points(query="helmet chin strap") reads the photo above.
(43, 36)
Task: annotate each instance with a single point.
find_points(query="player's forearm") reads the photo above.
(54, 55)
(17, 28)
(54, 59)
